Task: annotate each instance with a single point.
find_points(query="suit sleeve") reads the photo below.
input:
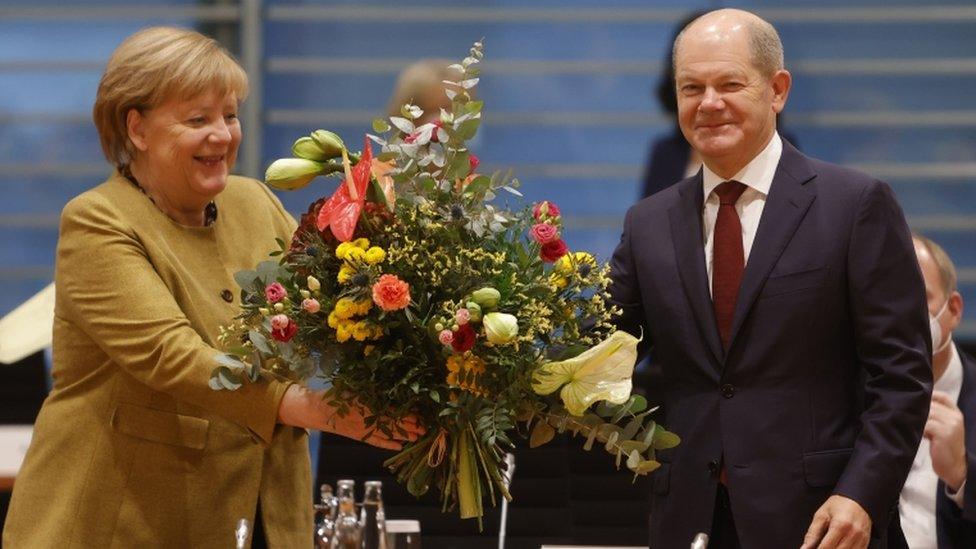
(625, 287)
(893, 345)
(107, 286)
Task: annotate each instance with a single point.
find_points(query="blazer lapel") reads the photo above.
(786, 204)
(686, 236)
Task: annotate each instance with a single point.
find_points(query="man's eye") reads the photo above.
(231, 116)
(197, 120)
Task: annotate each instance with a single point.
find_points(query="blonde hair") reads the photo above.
(947, 269)
(152, 66)
(418, 81)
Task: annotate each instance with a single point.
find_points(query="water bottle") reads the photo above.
(373, 518)
(348, 532)
(325, 516)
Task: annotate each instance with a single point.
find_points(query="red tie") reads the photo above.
(728, 259)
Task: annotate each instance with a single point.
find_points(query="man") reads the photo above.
(937, 506)
(787, 311)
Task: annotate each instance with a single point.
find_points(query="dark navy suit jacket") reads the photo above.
(957, 527)
(826, 383)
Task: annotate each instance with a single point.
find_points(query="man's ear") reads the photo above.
(780, 82)
(135, 126)
(955, 308)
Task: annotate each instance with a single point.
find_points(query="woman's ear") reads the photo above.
(135, 125)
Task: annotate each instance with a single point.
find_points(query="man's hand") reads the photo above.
(839, 523)
(307, 409)
(946, 433)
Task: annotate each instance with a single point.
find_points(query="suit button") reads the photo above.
(227, 296)
(713, 468)
(728, 391)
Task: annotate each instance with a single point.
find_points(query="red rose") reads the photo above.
(473, 161)
(544, 233)
(275, 292)
(552, 251)
(463, 339)
(285, 334)
(545, 208)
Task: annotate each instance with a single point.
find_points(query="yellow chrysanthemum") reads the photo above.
(355, 255)
(345, 308)
(343, 249)
(375, 255)
(333, 320)
(343, 332)
(360, 331)
(363, 306)
(361, 243)
(557, 281)
(346, 273)
(569, 263)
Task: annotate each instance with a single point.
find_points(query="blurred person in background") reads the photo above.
(422, 84)
(132, 447)
(937, 506)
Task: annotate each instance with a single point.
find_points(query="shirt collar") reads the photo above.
(951, 380)
(757, 174)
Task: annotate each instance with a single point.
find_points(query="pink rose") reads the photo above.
(445, 337)
(279, 322)
(552, 251)
(311, 305)
(285, 334)
(473, 161)
(391, 293)
(462, 316)
(275, 292)
(544, 233)
(545, 208)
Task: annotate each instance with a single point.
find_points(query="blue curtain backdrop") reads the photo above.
(884, 85)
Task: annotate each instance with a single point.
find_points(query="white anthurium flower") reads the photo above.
(600, 373)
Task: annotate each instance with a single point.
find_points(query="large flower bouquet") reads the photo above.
(412, 293)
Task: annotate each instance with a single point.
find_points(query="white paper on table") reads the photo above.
(14, 440)
(27, 329)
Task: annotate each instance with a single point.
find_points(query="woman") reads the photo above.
(132, 448)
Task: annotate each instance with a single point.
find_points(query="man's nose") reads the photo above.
(711, 100)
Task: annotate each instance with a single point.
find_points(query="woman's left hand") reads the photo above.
(301, 407)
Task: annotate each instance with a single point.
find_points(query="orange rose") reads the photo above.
(391, 293)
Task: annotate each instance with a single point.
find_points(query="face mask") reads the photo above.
(938, 343)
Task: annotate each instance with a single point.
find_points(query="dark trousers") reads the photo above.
(258, 539)
(723, 535)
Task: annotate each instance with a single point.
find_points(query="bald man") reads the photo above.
(782, 298)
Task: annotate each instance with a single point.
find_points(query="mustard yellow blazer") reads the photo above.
(132, 448)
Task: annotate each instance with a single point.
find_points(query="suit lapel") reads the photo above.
(786, 204)
(686, 236)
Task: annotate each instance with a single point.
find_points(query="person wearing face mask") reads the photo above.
(937, 506)
(132, 448)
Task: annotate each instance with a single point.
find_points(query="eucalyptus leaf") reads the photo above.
(665, 439)
(380, 125)
(478, 185)
(229, 361)
(229, 379)
(260, 342)
(646, 466)
(245, 279)
(541, 434)
(402, 124)
(633, 459)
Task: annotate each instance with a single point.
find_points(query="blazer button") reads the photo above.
(728, 391)
(227, 296)
(713, 468)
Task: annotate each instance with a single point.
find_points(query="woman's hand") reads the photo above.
(307, 409)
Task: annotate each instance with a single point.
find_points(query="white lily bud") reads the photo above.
(292, 173)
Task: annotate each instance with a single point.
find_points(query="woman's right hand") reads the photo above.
(301, 407)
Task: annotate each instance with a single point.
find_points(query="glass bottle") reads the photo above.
(325, 516)
(348, 532)
(373, 518)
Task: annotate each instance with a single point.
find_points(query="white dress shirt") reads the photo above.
(757, 176)
(916, 504)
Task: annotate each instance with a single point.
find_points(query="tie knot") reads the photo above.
(729, 192)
